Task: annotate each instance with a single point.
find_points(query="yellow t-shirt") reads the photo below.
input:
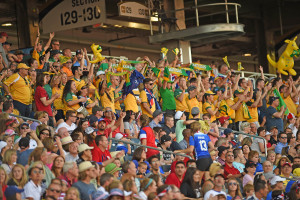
(206, 106)
(181, 105)
(191, 103)
(89, 101)
(290, 104)
(130, 103)
(19, 88)
(58, 104)
(108, 102)
(144, 99)
(78, 83)
(239, 114)
(253, 113)
(71, 97)
(117, 103)
(231, 102)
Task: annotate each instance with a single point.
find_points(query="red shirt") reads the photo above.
(115, 131)
(230, 170)
(106, 132)
(172, 179)
(147, 133)
(174, 163)
(40, 92)
(100, 156)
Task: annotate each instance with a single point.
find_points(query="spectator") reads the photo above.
(177, 177)
(258, 143)
(282, 142)
(250, 168)
(268, 170)
(276, 184)
(105, 180)
(148, 185)
(274, 118)
(86, 174)
(186, 136)
(157, 118)
(222, 154)
(180, 96)
(130, 126)
(149, 102)
(260, 190)
(229, 170)
(18, 176)
(33, 189)
(219, 182)
(234, 189)
(190, 186)
(84, 153)
(54, 190)
(70, 173)
(69, 124)
(239, 160)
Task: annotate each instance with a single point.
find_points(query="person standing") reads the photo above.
(3, 38)
(167, 95)
(274, 117)
(18, 87)
(149, 103)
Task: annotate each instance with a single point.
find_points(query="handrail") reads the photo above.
(255, 136)
(148, 147)
(26, 118)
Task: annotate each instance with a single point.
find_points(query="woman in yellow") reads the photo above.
(107, 96)
(69, 99)
(58, 104)
(209, 107)
(83, 93)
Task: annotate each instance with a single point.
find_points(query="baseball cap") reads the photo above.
(99, 195)
(24, 143)
(89, 130)
(191, 88)
(249, 164)
(83, 147)
(219, 175)
(100, 73)
(178, 114)
(101, 119)
(93, 119)
(195, 111)
(54, 52)
(6, 43)
(22, 66)
(11, 190)
(116, 192)
(227, 131)
(78, 51)
(85, 165)
(19, 52)
(112, 168)
(276, 179)
(165, 138)
(290, 116)
(223, 119)
(287, 163)
(24, 124)
(221, 149)
(272, 127)
(10, 132)
(3, 34)
(271, 99)
(268, 133)
(156, 113)
(119, 136)
(66, 140)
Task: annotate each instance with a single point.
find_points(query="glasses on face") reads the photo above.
(108, 111)
(44, 133)
(153, 162)
(24, 127)
(73, 116)
(37, 171)
(229, 155)
(283, 137)
(68, 62)
(54, 190)
(57, 44)
(232, 183)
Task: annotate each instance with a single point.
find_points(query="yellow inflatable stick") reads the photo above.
(97, 53)
(286, 62)
(175, 51)
(240, 67)
(226, 61)
(164, 51)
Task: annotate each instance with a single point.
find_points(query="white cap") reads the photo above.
(100, 73)
(83, 147)
(268, 133)
(85, 165)
(178, 114)
(119, 136)
(276, 179)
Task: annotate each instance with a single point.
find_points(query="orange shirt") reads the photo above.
(67, 71)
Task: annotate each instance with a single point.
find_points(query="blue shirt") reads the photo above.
(279, 147)
(269, 196)
(200, 142)
(259, 168)
(78, 64)
(273, 121)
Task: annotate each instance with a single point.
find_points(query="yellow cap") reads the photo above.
(22, 66)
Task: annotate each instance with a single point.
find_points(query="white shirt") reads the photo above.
(213, 193)
(70, 158)
(102, 189)
(64, 124)
(31, 190)
(143, 195)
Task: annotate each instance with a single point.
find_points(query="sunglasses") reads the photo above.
(37, 172)
(44, 133)
(108, 111)
(150, 83)
(54, 190)
(69, 62)
(24, 127)
(232, 183)
(283, 137)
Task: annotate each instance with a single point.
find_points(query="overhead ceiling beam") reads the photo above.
(131, 24)
(241, 39)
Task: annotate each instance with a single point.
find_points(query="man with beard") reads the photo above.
(219, 182)
(77, 71)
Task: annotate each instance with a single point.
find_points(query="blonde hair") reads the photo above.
(214, 168)
(7, 156)
(238, 191)
(73, 189)
(24, 178)
(5, 180)
(195, 127)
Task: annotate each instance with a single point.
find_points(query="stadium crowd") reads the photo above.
(66, 153)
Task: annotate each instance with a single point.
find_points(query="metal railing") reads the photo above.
(255, 136)
(148, 147)
(226, 10)
(25, 118)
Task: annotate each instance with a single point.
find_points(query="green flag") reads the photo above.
(281, 102)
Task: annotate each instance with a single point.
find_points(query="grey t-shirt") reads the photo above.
(2, 51)
(85, 190)
(255, 145)
(273, 121)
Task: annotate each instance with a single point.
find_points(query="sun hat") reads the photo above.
(85, 165)
(83, 147)
(66, 140)
(111, 168)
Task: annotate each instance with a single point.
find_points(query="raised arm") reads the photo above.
(51, 36)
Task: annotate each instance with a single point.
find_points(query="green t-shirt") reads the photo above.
(48, 89)
(179, 128)
(69, 97)
(168, 98)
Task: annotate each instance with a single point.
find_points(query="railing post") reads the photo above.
(196, 11)
(149, 11)
(227, 16)
(236, 13)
